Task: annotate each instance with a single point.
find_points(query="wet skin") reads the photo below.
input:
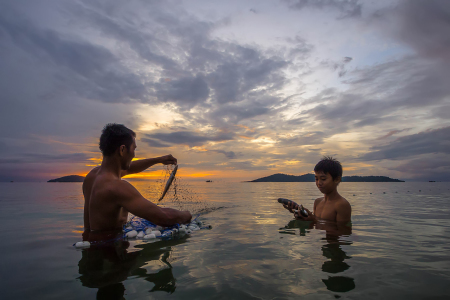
(331, 207)
(108, 198)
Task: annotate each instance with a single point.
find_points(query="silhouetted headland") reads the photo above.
(310, 178)
(70, 178)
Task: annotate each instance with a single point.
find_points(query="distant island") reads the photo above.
(70, 178)
(310, 178)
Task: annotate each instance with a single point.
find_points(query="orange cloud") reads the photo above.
(246, 127)
(245, 137)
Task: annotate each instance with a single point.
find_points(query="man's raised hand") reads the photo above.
(168, 160)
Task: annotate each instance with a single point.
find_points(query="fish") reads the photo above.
(169, 182)
(299, 207)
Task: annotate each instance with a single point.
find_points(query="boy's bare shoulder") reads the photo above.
(317, 201)
(342, 202)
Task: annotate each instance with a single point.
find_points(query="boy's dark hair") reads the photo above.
(113, 136)
(329, 165)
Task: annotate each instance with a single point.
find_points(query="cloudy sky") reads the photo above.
(234, 89)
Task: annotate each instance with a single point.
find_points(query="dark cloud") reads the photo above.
(228, 154)
(442, 112)
(309, 138)
(427, 142)
(155, 143)
(339, 66)
(382, 93)
(206, 71)
(245, 165)
(186, 92)
(424, 25)
(113, 53)
(70, 67)
(87, 69)
(410, 82)
(125, 25)
(391, 133)
(234, 113)
(347, 8)
(248, 70)
(46, 158)
(190, 138)
(425, 168)
(296, 121)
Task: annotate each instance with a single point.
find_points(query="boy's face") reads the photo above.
(325, 182)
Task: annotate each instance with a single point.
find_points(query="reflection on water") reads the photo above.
(106, 266)
(397, 248)
(335, 236)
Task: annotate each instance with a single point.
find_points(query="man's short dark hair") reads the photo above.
(329, 165)
(113, 136)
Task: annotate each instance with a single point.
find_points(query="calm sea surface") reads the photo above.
(398, 248)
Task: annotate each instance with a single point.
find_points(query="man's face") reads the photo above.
(129, 155)
(325, 182)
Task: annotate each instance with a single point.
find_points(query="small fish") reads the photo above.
(169, 182)
(302, 211)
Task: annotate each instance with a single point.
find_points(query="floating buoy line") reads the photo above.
(141, 229)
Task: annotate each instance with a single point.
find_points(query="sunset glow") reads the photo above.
(236, 91)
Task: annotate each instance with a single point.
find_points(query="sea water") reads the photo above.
(398, 247)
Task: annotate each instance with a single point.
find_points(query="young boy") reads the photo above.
(331, 206)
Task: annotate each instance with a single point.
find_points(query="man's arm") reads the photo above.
(129, 198)
(343, 212)
(138, 166)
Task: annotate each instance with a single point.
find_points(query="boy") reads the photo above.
(332, 206)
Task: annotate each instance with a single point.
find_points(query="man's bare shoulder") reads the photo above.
(122, 189)
(91, 175)
(94, 171)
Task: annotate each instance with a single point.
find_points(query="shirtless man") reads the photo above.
(332, 206)
(108, 198)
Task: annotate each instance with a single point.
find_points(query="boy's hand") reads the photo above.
(310, 216)
(290, 207)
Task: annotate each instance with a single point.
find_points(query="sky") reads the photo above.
(235, 90)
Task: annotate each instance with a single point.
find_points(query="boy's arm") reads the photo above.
(343, 212)
(311, 216)
(129, 198)
(315, 205)
(143, 164)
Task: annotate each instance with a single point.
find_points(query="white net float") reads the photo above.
(84, 244)
(149, 236)
(131, 234)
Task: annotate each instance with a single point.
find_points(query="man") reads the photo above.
(332, 206)
(108, 198)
